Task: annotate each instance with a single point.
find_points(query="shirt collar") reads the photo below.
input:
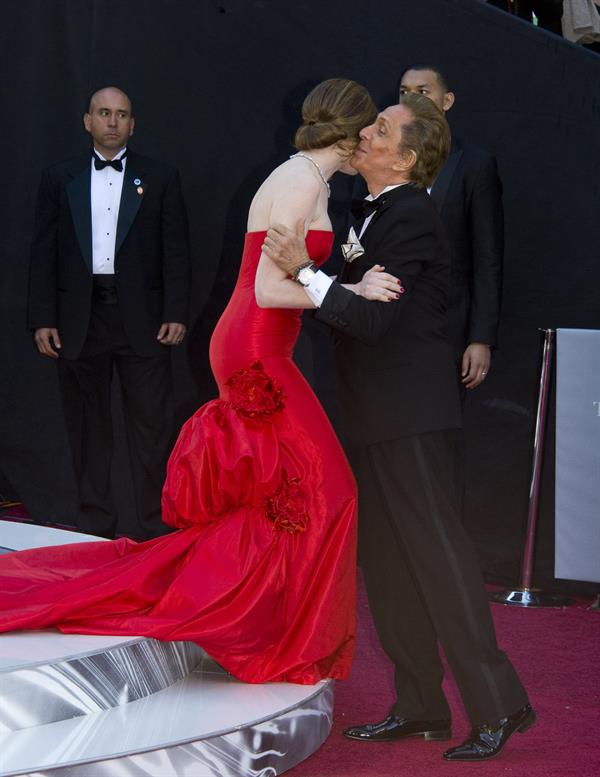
(118, 155)
(387, 189)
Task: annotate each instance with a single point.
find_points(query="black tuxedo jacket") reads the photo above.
(152, 269)
(468, 194)
(395, 365)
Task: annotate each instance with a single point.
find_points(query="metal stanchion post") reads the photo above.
(524, 595)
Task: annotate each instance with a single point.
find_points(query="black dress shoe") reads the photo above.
(400, 728)
(488, 741)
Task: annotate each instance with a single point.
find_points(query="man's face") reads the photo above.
(427, 82)
(378, 152)
(109, 120)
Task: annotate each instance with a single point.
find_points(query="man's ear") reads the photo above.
(131, 126)
(448, 100)
(87, 122)
(407, 159)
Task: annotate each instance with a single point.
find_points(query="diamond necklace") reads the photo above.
(310, 159)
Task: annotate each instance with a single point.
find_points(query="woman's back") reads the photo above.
(245, 331)
(286, 192)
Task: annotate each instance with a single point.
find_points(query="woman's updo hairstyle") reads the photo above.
(335, 112)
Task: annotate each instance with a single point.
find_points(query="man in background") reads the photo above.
(109, 288)
(468, 195)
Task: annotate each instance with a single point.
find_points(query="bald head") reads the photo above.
(109, 93)
(109, 120)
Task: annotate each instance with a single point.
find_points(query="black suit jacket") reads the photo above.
(395, 365)
(468, 194)
(152, 269)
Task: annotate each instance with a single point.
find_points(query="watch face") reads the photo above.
(305, 275)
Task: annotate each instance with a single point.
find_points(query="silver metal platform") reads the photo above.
(86, 706)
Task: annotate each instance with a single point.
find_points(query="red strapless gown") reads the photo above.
(261, 572)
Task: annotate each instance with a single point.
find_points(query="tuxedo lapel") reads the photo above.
(362, 263)
(132, 194)
(343, 272)
(441, 184)
(79, 195)
(387, 200)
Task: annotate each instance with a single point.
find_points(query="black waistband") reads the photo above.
(105, 289)
(104, 281)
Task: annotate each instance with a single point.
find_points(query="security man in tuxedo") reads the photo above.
(109, 289)
(468, 195)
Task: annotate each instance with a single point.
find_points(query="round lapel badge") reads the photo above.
(136, 181)
(139, 190)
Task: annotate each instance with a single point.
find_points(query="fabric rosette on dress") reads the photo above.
(229, 456)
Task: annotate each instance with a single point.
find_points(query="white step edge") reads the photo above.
(203, 706)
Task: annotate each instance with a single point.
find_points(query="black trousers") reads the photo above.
(146, 394)
(424, 581)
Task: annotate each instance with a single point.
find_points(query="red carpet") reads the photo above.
(557, 654)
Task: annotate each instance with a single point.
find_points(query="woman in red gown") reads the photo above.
(261, 571)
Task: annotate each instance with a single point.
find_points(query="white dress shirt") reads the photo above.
(106, 188)
(320, 283)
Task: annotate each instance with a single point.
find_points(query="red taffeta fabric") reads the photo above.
(261, 569)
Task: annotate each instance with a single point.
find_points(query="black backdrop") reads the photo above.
(217, 88)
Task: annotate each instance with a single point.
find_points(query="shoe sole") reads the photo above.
(428, 736)
(529, 721)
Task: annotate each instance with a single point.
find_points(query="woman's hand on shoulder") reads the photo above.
(378, 285)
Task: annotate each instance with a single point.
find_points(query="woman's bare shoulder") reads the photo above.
(295, 171)
(289, 186)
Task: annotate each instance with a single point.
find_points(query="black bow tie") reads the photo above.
(117, 164)
(362, 209)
